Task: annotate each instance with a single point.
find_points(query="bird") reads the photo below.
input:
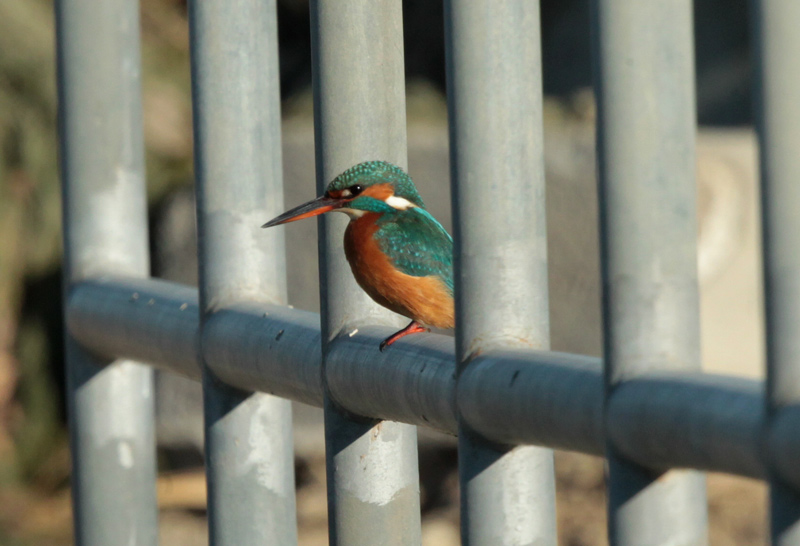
(400, 255)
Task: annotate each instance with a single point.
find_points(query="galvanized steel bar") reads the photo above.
(689, 420)
(680, 420)
(413, 383)
(535, 397)
(359, 115)
(105, 231)
(644, 64)
(249, 457)
(783, 447)
(270, 349)
(149, 320)
(497, 160)
(778, 120)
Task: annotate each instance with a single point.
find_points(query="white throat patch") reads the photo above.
(399, 203)
(352, 213)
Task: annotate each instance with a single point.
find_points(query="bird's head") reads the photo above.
(372, 186)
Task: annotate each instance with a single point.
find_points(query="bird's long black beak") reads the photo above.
(318, 206)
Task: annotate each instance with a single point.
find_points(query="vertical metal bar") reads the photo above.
(105, 231)
(249, 459)
(495, 100)
(359, 113)
(778, 121)
(644, 74)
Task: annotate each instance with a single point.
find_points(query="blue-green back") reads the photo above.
(417, 244)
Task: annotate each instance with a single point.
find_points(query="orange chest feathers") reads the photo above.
(423, 299)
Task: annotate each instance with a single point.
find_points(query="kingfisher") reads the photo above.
(400, 255)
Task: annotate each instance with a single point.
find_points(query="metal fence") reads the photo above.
(648, 408)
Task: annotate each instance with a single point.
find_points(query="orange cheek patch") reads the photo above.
(379, 191)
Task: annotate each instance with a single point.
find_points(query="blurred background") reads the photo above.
(34, 457)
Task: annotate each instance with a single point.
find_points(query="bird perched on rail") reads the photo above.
(399, 254)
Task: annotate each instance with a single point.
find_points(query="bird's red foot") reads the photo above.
(413, 328)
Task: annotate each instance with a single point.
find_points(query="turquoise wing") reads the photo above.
(417, 244)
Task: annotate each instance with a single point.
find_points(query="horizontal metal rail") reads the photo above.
(678, 420)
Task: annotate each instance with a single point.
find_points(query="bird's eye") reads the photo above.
(355, 190)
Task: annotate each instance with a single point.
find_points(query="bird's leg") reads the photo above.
(413, 328)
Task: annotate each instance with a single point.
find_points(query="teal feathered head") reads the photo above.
(381, 176)
(372, 186)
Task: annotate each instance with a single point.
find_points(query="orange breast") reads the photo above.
(424, 299)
